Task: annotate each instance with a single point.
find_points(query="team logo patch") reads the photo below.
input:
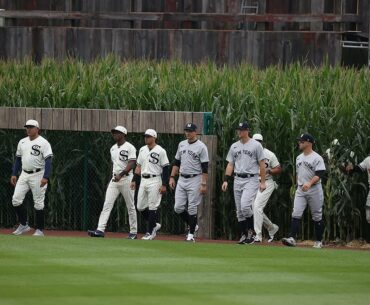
(36, 150)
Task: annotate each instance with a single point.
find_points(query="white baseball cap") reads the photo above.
(151, 132)
(258, 137)
(32, 123)
(120, 129)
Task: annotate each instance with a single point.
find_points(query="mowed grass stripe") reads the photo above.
(61, 270)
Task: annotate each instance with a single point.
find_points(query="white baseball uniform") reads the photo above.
(120, 156)
(365, 166)
(151, 163)
(33, 154)
(262, 198)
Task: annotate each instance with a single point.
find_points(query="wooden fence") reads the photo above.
(99, 120)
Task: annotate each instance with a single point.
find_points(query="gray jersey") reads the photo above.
(307, 165)
(191, 155)
(246, 157)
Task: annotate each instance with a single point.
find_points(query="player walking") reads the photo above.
(153, 166)
(310, 168)
(123, 156)
(245, 161)
(191, 161)
(272, 167)
(364, 166)
(34, 158)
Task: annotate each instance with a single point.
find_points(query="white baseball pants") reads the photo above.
(31, 182)
(113, 191)
(260, 218)
(149, 195)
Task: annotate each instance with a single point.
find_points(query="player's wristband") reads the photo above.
(227, 178)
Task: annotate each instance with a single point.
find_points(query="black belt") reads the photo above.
(32, 172)
(149, 176)
(244, 175)
(189, 176)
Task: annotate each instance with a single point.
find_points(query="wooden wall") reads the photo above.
(224, 47)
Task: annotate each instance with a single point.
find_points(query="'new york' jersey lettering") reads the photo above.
(306, 166)
(191, 156)
(246, 157)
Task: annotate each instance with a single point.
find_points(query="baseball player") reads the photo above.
(34, 159)
(246, 162)
(123, 156)
(310, 168)
(364, 166)
(153, 167)
(272, 167)
(191, 161)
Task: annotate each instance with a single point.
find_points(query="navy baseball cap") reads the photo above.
(243, 126)
(306, 138)
(190, 127)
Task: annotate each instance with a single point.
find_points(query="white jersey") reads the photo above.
(307, 165)
(246, 156)
(33, 153)
(121, 155)
(365, 166)
(152, 161)
(271, 161)
(191, 156)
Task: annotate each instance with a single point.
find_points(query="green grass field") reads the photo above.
(61, 270)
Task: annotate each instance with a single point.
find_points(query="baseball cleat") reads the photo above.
(21, 229)
(272, 233)
(242, 239)
(95, 233)
(147, 236)
(318, 245)
(290, 242)
(190, 237)
(38, 233)
(257, 240)
(250, 238)
(132, 236)
(155, 229)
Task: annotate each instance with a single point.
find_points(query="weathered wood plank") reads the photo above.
(135, 121)
(58, 119)
(165, 122)
(108, 120)
(72, 119)
(4, 117)
(147, 119)
(86, 120)
(181, 118)
(172, 16)
(17, 117)
(198, 120)
(34, 114)
(124, 118)
(46, 118)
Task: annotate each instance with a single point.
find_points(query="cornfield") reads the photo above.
(328, 102)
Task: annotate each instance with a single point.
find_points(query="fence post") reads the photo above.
(85, 208)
